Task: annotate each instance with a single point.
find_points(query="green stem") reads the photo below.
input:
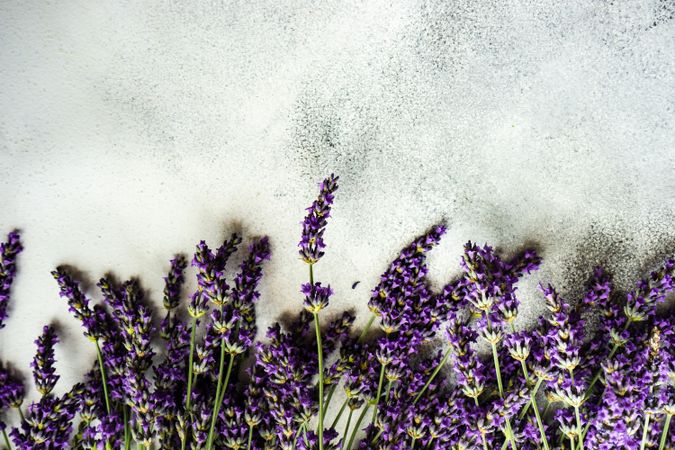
(534, 393)
(349, 420)
(104, 380)
(356, 427)
(571, 443)
(21, 416)
(319, 349)
(510, 434)
(250, 437)
(339, 414)
(4, 435)
(540, 424)
(329, 397)
(485, 447)
(368, 325)
(645, 432)
(498, 371)
(127, 431)
(535, 407)
(386, 396)
(412, 444)
(190, 363)
(495, 357)
(379, 393)
(228, 375)
(297, 435)
(579, 428)
(219, 391)
(433, 375)
(664, 434)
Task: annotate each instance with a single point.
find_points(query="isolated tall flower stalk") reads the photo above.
(311, 250)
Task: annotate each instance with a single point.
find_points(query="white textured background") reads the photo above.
(130, 130)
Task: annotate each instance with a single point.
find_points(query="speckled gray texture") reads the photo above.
(130, 130)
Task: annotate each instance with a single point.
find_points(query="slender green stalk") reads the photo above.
(664, 434)
(579, 428)
(304, 435)
(645, 432)
(388, 391)
(319, 350)
(250, 437)
(571, 443)
(104, 382)
(368, 325)
(127, 431)
(485, 447)
(498, 371)
(297, 435)
(23, 419)
(344, 435)
(433, 375)
(4, 435)
(379, 392)
(495, 357)
(104, 379)
(339, 414)
(228, 375)
(356, 427)
(535, 407)
(190, 378)
(534, 393)
(412, 444)
(329, 397)
(219, 392)
(190, 363)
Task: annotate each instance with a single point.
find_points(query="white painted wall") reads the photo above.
(130, 130)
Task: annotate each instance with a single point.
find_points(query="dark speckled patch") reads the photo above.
(616, 248)
(335, 134)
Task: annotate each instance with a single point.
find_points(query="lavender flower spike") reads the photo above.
(43, 363)
(8, 252)
(173, 282)
(311, 244)
(316, 296)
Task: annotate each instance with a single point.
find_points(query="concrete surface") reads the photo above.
(130, 130)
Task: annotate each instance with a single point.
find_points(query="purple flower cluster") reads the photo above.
(8, 253)
(313, 227)
(449, 368)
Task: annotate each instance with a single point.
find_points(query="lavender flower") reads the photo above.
(11, 390)
(48, 424)
(8, 253)
(316, 297)
(78, 303)
(44, 373)
(173, 283)
(312, 244)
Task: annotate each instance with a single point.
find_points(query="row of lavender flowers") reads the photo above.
(556, 385)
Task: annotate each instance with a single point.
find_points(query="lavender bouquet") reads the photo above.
(392, 385)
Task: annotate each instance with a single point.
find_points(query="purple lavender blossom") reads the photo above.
(173, 283)
(8, 253)
(316, 296)
(313, 227)
(78, 303)
(11, 390)
(44, 373)
(48, 425)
